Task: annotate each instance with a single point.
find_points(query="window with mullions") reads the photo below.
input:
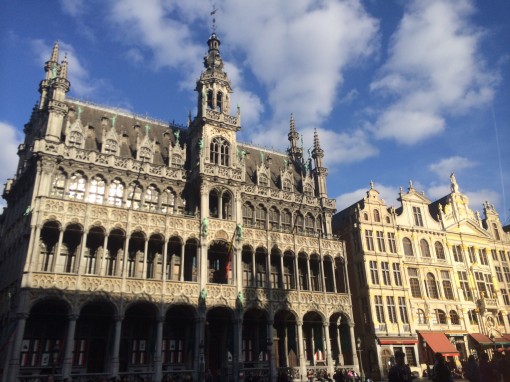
(374, 272)
(286, 220)
(369, 240)
(274, 218)
(397, 276)
(499, 275)
(134, 197)
(402, 307)
(414, 282)
(247, 215)
(422, 318)
(287, 185)
(308, 190)
(115, 193)
(410, 356)
(480, 283)
(392, 312)
(502, 255)
(263, 180)
(139, 352)
(457, 253)
(380, 241)
(58, 187)
(261, 217)
(219, 151)
(418, 220)
(96, 190)
(447, 285)
(424, 247)
(454, 317)
(299, 223)
(408, 246)
(310, 224)
(504, 293)
(167, 201)
(151, 198)
(75, 139)
(145, 154)
(432, 286)
(110, 147)
(379, 309)
(506, 270)
(385, 270)
(482, 254)
(77, 184)
(472, 254)
(391, 242)
(439, 250)
(464, 285)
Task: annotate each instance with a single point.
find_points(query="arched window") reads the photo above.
(77, 184)
(432, 286)
(496, 231)
(115, 193)
(261, 216)
(422, 319)
(219, 151)
(219, 102)
(388, 220)
(299, 223)
(414, 282)
(209, 99)
(59, 183)
(439, 250)
(287, 185)
(110, 146)
(439, 317)
(151, 198)
(310, 224)
(408, 246)
(286, 220)
(454, 318)
(96, 190)
(167, 201)
(134, 197)
(75, 139)
(365, 216)
(263, 180)
(274, 218)
(425, 249)
(377, 216)
(247, 214)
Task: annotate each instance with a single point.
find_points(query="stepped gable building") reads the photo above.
(426, 277)
(135, 246)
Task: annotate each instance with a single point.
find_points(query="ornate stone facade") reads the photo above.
(135, 246)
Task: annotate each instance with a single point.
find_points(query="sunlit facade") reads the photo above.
(136, 246)
(426, 277)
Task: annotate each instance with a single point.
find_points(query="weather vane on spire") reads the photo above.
(213, 12)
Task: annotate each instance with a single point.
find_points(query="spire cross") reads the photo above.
(213, 12)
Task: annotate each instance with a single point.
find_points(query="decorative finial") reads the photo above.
(213, 21)
(410, 184)
(371, 184)
(453, 183)
(54, 52)
(147, 129)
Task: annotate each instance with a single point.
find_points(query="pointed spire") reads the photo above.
(54, 53)
(213, 59)
(317, 151)
(63, 68)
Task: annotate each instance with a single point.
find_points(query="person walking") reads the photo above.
(400, 372)
(487, 372)
(441, 371)
(472, 370)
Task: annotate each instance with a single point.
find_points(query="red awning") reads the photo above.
(438, 343)
(397, 341)
(507, 336)
(482, 339)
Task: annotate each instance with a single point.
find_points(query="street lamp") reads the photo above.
(358, 345)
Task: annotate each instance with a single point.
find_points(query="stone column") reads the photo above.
(55, 263)
(14, 362)
(78, 265)
(101, 269)
(328, 348)
(339, 344)
(238, 338)
(323, 280)
(199, 351)
(67, 363)
(334, 271)
(165, 261)
(302, 364)
(272, 354)
(308, 276)
(114, 365)
(183, 261)
(158, 362)
(355, 359)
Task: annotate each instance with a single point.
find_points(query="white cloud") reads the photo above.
(478, 197)
(8, 153)
(446, 166)
(72, 7)
(434, 71)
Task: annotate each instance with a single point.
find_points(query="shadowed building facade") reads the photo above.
(427, 277)
(135, 246)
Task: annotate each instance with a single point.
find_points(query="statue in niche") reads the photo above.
(205, 226)
(240, 300)
(239, 231)
(177, 134)
(202, 299)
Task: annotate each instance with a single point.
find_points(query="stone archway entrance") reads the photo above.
(219, 341)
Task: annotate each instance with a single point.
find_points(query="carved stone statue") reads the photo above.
(453, 183)
(240, 300)
(239, 231)
(205, 226)
(202, 299)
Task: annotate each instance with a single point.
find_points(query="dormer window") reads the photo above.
(308, 190)
(75, 139)
(110, 147)
(145, 154)
(219, 151)
(287, 185)
(263, 180)
(176, 160)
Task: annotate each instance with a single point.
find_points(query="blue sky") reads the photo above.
(397, 90)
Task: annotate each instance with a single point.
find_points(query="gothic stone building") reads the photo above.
(135, 246)
(429, 276)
